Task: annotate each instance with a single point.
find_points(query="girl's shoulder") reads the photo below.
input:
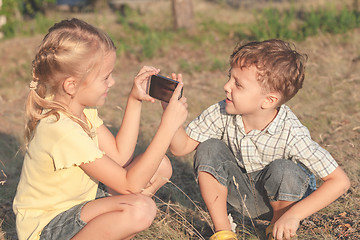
(56, 126)
(93, 117)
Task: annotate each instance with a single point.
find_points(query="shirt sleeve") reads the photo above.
(74, 146)
(209, 124)
(313, 156)
(74, 149)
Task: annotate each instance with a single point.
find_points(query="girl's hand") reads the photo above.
(138, 90)
(173, 77)
(286, 228)
(176, 111)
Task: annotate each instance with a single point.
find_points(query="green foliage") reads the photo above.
(137, 37)
(272, 23)
(10, 9)
(145, 42)
(16, 10)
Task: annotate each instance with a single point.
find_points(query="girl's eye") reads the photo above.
(107, 78)
(237, 84)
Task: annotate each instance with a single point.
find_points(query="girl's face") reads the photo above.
(243, 92)
(93, 92)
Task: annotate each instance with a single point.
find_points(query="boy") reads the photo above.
(253, 152)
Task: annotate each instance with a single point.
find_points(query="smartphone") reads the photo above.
(161, 87)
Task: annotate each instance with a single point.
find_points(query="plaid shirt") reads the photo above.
(284, 138)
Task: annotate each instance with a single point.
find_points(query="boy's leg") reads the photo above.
(211, 159)
(285, 183)
(215, 198)
(222, 181)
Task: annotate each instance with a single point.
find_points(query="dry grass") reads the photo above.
(329, 105)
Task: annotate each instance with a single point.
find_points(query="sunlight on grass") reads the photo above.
(328, 104)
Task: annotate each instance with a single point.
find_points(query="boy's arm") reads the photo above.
(334, 185)
(182, 144)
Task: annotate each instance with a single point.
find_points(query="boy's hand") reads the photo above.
(285, 228)
(138, 90)
(176, 111)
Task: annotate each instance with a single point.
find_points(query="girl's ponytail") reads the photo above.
(71, 48)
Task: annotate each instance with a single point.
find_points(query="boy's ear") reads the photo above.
(69, 86)
(271, 100)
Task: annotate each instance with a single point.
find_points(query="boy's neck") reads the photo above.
(259, 121)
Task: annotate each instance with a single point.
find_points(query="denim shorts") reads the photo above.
(250, 193)
(68, 223)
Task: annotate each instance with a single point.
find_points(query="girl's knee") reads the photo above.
(165, 168)
(142, 212)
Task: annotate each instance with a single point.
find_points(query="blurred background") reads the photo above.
(196, 38)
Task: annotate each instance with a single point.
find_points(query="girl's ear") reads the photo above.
(69, 86)
(271, 100)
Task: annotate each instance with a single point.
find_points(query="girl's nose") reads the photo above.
(111, 82)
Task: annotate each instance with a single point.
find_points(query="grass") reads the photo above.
(329, 104)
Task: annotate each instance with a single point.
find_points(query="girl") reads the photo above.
(70, 151)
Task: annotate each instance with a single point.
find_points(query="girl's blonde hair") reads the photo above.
(71, 48)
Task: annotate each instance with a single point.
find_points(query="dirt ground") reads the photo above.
(341, 220)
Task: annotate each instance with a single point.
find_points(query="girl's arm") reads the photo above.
(121, 147)
(181, 144)
(334, 185)
(134, 178)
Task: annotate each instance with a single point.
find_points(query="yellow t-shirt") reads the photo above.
(51, 180)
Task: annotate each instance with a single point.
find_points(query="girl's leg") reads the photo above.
(161, 176)
(117, 217)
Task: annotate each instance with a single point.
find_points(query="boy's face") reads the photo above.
(244, 94)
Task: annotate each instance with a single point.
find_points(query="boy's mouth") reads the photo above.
(227, 100)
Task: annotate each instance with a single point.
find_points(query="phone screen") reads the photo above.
(161, 87)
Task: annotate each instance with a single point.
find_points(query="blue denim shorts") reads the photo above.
(68, 223)
(250, 193)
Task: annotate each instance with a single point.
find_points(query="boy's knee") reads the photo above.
(281, 169)
(210, 149)
(211, 145)
(283, 176)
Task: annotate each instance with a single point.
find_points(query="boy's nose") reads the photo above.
(226, 87)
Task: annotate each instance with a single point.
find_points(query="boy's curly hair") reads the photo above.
(280, 67)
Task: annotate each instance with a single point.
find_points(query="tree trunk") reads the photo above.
(183, 14)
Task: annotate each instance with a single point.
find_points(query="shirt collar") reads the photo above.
(274, 127)
(278, 123)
